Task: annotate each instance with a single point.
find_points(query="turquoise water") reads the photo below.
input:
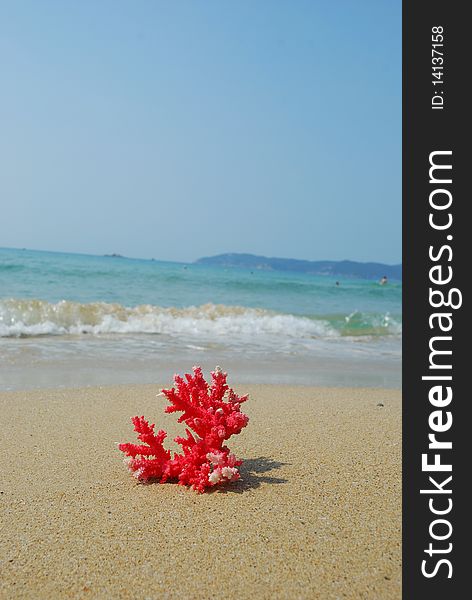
(52, 302)
(355, 307)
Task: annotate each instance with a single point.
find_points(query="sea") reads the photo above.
(73, 320)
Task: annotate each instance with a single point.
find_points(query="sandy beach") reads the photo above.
(317, 513)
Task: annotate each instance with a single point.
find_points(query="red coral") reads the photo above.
(205, 461)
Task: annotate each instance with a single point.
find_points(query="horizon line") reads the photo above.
(194, 261)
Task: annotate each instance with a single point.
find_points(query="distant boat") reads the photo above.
(114, 255)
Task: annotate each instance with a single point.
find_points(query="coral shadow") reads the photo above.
(252, 475)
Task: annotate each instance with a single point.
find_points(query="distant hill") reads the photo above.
(344, 268)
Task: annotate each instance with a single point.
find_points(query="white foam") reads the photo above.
(36, 317)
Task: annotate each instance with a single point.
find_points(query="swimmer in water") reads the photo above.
(384, 280)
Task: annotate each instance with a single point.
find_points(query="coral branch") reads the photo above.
(204, 462)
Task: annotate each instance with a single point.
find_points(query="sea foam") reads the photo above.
(20, 318)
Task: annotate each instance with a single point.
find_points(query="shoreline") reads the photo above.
(317, 513)
(28, 367)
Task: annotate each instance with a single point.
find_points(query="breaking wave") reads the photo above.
(26, 318)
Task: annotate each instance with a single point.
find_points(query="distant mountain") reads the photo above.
(344, 268)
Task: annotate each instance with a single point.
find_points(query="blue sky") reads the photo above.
(183, 129)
